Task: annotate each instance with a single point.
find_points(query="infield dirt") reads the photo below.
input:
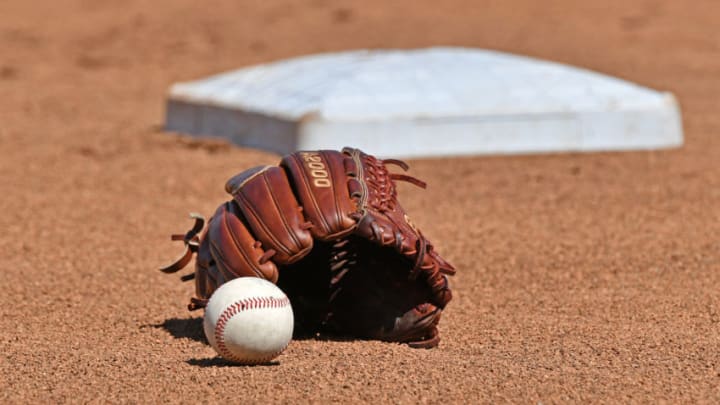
(581, 277)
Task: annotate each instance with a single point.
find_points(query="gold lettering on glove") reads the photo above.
(316, 167)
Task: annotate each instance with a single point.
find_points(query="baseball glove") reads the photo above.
(326, 226)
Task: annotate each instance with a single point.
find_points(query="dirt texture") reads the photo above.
(582, 278)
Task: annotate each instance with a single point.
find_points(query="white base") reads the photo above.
(434, 102)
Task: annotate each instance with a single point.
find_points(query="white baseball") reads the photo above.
(248, 320)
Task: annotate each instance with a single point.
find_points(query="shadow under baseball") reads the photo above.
(192, 328)
(184, 328)
(220, 362)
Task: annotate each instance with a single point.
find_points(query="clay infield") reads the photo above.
(581, 277)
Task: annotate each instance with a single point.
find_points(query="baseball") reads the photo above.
(248, 320)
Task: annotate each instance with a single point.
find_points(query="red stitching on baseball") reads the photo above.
(236, 308)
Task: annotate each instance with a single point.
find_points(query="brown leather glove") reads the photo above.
(326, 226)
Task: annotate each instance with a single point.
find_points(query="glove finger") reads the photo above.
(418, 326)
(320, 180)
(268, 205)
(234, 250)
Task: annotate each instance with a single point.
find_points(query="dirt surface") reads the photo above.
(582, 277)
